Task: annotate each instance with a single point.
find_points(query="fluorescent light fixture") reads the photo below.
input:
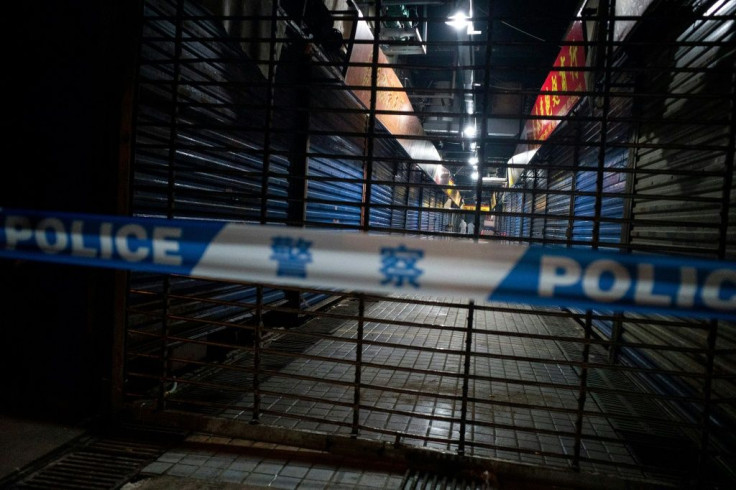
(498, 181)
(473, 160)
(469, 131)
(458, 20)
(474, 175)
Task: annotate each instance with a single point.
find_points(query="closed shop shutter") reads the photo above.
(201, 161)
(331, 199)
(539, 209)
(558, 206)
(682, 166)
(381, 195)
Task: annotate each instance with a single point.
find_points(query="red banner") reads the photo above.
(554, 103)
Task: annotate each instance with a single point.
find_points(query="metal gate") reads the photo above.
(355, 115)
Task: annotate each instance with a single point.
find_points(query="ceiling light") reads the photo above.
(469, 131)
(473, 160)
(474, 175)
(459, 21)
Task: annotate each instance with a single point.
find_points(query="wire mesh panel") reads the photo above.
(589, 125)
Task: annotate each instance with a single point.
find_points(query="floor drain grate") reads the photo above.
(98, 463)
(415, 479)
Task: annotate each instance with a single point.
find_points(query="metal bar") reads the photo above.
(605, 54)
(358, 365)
(127, 144)
(533, 207)
(466, 378)
(370, 137)
(523, 179)
(365, 202)
(257, 346)
(582, 395)
(171, 196)
(268, 123)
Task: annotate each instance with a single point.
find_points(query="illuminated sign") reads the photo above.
(556, 99)
(551, 102)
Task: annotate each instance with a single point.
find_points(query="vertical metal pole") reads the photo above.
(257, 338)
(570, 231)
(523, 205)
(269, 115)
(408, 195)
(707, 401)
(133, 22)
(617, 333)
(394, 196)
(546, 207)
(485, 110)
(605, 46)
(294, 74)
(174, 116)
(368, 162)
(171, 196)
(582, 391)
(532, 207)
(466, 378)
(297, 64)
(365, 209)
(358, 364)
(421, 205)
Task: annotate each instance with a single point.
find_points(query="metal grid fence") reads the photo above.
(263, 114)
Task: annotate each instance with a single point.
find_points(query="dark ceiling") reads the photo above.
(525, 34)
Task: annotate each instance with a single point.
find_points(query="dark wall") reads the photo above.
(68, 65)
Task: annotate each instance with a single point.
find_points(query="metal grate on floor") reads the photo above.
(100, 462)
(421, 479)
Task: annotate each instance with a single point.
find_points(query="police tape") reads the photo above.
(373, 263)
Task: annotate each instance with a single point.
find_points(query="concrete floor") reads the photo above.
(23, 441)
(230, 463)
(418, 417)
(248, 464)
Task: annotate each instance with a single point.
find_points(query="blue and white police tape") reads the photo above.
(349, 260)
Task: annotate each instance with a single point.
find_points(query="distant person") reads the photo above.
(471, 228)
(463, 227)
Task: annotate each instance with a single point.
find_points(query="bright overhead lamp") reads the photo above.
(473, 160)
(469, 131)
(474, 175)
(458, 20)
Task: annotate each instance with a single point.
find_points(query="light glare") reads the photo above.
(458, 20)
